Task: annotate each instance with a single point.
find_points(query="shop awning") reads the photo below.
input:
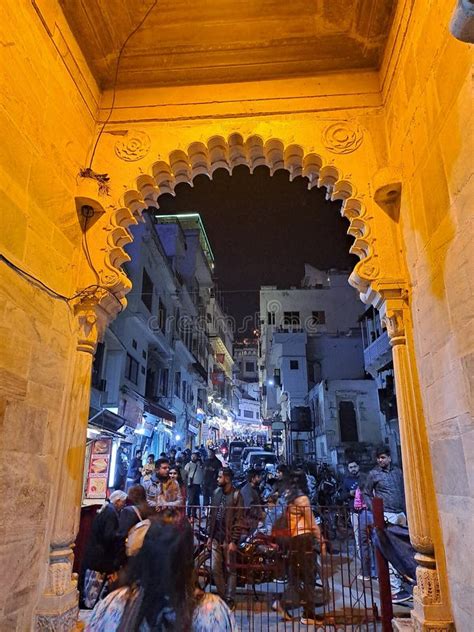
(159, 411)
(107, 420)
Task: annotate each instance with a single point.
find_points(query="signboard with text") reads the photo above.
(98, 472)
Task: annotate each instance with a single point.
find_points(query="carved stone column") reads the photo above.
(58, 606)
(431, 600)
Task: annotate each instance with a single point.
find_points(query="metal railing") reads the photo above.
(288, 569)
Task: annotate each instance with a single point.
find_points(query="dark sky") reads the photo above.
(262, 230)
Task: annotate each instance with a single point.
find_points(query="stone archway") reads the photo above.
(380, 278)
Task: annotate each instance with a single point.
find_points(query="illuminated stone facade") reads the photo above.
(393, 144)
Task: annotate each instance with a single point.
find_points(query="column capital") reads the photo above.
(94, 309)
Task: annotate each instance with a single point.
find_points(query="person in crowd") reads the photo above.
(175, 475)
(158, 593)
(252, 500)
(186, 456)
(121, 469)
(304, 537)
(194, 476)
(135, 511)
(135, 469)
(203, 452)
(225, 528)
(211, 467)
(351, 485)
(386, 481)
(281, 484)
(148, 468)
(160, 490)
(103, 547)
(172, 456)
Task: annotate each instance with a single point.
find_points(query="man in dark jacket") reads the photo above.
(134, 470)
(225, 530)
(252, 500)
(386, 481)
(103, 547)
(353, 480)
(211, 466)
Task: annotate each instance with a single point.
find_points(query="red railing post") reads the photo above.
(383, 572)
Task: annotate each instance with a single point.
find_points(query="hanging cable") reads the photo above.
(85, 244)
(135, 30)
(84, 293)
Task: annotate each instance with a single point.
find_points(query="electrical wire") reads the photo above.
(87, 291)
(85, 247)
(135, 30)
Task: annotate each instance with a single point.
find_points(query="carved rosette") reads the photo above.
(342, 137)
(134, 146)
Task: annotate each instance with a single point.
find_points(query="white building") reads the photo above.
(151, 372)
(310, 335)
(246, 360)
(346, 418)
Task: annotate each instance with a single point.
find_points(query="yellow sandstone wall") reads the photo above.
(429, 129)
(48, 103)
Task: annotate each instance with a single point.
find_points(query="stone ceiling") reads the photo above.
(187, 42)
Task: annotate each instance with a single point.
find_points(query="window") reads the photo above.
(144, 354)
(131, 369)
(250, 367)
(270, 318)
(142, 370)
(164, 377)
(184, 391)
(291, 318)
(147, 290)
(348, 421)
(294, 365)
(134, 344)
(248, 414)
(319, 318)
(177, 383)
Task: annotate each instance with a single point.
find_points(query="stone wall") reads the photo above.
(47, 122)
(429, 128)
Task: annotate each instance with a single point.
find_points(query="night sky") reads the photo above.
(262, 230)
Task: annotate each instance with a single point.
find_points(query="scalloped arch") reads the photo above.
(221, 153)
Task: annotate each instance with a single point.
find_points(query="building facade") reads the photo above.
(385, 129)
(311, 346)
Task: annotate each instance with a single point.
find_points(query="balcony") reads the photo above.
(378, 354)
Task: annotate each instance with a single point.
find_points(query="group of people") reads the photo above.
(137, 602)
(384, 481)
(177, 478)
(158, 502)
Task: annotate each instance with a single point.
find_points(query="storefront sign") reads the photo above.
(99, 465)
